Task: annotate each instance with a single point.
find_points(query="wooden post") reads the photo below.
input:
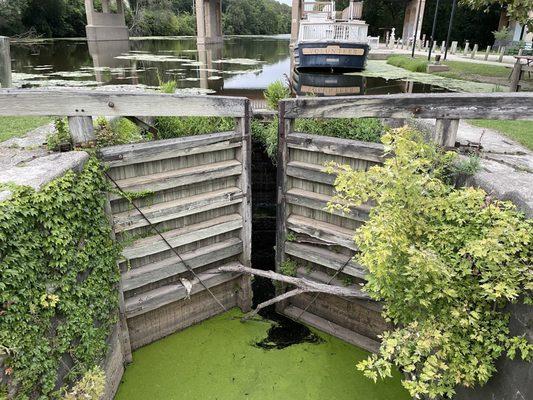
(487, 52)
(285, 128)
(81, 130)
(244, 155)
(474, 51)
(515, 76)
(5, 62)
(446, 132)
(502, 52)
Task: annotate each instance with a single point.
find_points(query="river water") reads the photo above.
(242, 66)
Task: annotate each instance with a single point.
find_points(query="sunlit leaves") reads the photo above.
(444, 261)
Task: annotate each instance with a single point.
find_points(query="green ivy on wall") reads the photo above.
(58, 281)
(444, 261)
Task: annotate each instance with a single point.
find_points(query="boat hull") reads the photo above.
(332, 56)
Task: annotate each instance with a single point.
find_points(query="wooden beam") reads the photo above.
(337, 147)
(180, 177)
(179, 208)
(86, 103)
(81, 130)
(332, 328)
(138, 277)
(326, 258)
(285, 127)
(162, 296)
(244, 156)
(328, 233)
(182, 236)
(317, 201)
(136, 153)
(509, 106)
(309, 172)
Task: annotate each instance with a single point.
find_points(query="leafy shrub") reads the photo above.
(60, 137)
(116, 131)
(275, 92)
(503, 34)
(444, 261)
(411, 64)
(90, 387)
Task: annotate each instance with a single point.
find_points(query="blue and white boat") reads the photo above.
(332, 40)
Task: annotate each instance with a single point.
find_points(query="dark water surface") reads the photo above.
(242, 66)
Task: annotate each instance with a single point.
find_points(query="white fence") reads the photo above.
(334, 31)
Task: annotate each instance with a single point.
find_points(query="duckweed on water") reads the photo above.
(220, 359)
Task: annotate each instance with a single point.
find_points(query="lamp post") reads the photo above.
(415, 36)
(432, 38)
(450, 29)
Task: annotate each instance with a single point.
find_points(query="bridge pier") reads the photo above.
(409, 22)
(105, 25)
(209, 21)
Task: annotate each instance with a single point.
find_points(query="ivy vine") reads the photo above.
(445, 261)
(58, 282)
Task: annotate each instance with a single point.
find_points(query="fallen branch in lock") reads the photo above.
(303, 285)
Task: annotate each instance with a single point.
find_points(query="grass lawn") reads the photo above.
(464, 70)
(18, 126)
(521, 131)
(218, 359)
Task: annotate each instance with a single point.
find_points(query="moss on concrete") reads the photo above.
(218, 360)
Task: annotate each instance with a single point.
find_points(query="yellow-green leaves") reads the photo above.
(444, 261)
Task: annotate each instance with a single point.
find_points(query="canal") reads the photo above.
(242, 66)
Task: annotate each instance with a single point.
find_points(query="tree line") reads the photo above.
(66, 18)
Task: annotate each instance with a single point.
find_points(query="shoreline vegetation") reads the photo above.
(463, 70)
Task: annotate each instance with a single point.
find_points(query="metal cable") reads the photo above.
(123, 194)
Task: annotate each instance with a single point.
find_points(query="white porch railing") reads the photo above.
(333, 31)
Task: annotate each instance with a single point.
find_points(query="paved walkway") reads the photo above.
(506, 166)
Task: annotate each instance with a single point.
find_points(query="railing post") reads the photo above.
(487, 53)
(515, 76)
(285, 128)
(502, 52)
(244, 154)
(446, 132)
(81, 131)
(5, 62)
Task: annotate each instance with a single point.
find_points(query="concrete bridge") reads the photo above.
(107, 25)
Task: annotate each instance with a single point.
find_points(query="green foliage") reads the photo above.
(503, 34)
(58, 285)
(275, 92)
(444, 261)
(173, 127)
(408, 63)
(364, 129)
(255, 17)
(116, 131)
(60, 137)
(90, 387)
(288, 267)
(467, 166)
(519, 10)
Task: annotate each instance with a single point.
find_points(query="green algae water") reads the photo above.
(220, 359)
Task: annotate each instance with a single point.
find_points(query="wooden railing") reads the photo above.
(333, 31)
